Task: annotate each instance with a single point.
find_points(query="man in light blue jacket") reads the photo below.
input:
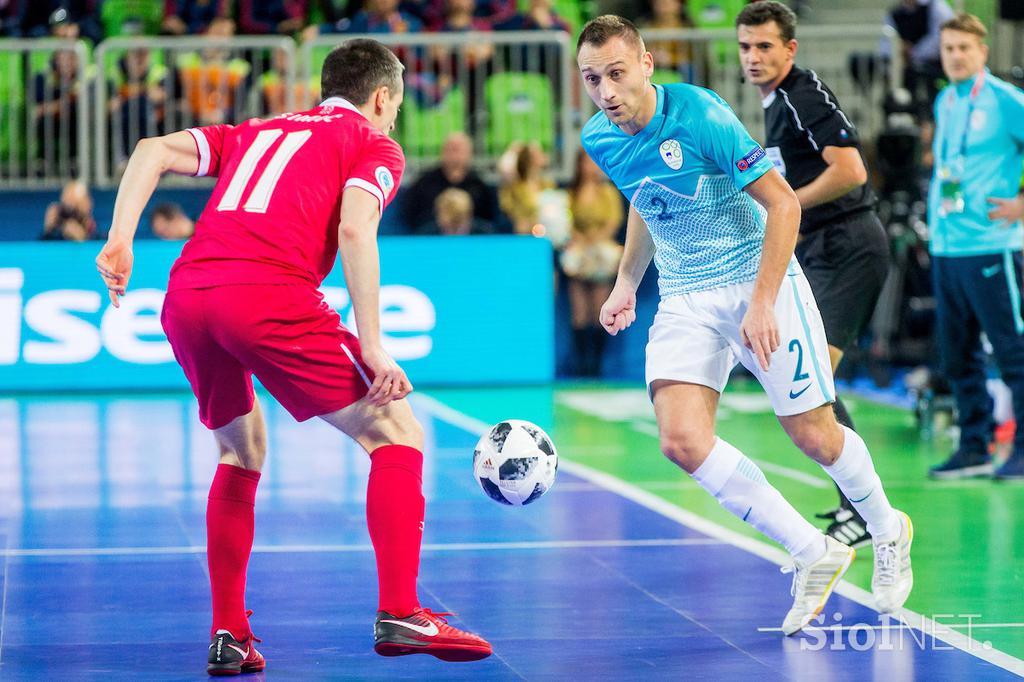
(975, 209)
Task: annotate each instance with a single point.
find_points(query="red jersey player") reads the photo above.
(242, 300)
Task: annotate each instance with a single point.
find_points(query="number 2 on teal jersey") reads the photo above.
(800, 374)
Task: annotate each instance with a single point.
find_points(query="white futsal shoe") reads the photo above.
(813, 585)
(893, 577)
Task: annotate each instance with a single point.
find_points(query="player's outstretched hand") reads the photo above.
(115, 266)
(389, 382)
(760, 332)
(619, 311)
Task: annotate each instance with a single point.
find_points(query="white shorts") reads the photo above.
(696, 338)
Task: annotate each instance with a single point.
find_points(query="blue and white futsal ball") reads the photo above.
(515, 462)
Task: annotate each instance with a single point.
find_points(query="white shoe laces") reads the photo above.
(886, 563)
(799, 577)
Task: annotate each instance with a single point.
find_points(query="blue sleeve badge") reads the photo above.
(750, 159)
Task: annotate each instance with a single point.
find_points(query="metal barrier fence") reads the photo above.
(499, 88)
(44, 98)
(151, 86)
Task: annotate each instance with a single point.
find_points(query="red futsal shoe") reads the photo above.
(425, 632)
(228, 656)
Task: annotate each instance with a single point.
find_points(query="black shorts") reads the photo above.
(846, 263)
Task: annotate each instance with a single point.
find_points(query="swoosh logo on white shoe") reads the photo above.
(428, 630)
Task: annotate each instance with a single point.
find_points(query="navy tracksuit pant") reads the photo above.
(975, 294)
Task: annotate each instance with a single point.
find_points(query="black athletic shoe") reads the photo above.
(963, 465)
(228, 656)
(848, 527)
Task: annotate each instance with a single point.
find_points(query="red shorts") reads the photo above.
(286, 335)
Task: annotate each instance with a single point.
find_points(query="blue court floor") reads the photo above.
(104, 573)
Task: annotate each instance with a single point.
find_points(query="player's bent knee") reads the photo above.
(686, 450)
(397, 426)
(820, 444)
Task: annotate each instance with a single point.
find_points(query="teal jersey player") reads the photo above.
(721, 223)
(978, 150)
(684, 173)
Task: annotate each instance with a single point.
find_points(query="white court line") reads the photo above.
(777, 469)
(337, 549)
(3, 600)
(902, 626)
(702, 525)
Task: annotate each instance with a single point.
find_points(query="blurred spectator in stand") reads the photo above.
(192, 17)
(454, 171)
(539, 16)
(674, 55)
(36, 19)
(453, 215)
(384, 16)
(70, 219)
(55, 94)
(918, 23)
(275, 95)
(524, 179)
(284, 17)
(591, 259)
(138, 101)
(8, 18)
(490, 11)
(213, 83)
(170, 223)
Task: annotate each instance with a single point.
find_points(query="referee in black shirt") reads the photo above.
(842, 248)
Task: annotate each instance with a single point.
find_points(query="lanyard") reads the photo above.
(979, 80)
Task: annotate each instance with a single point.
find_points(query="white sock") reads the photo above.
(854, 473)
(740, 486)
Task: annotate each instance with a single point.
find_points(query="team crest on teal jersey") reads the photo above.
(672, 154)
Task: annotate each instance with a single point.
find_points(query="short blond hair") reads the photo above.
(966, 23)
(454, 202)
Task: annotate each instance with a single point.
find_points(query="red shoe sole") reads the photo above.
(451, 652)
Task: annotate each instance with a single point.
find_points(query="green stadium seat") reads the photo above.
(12, 108)
(666, 76)
(422, 130)
(520, 106)
(114, 14)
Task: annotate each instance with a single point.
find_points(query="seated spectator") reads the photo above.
(139, 97)
(524, 178)
(591, 259)
(670, 54)
(458, 15)
(283, 17)
(384, 16)
(539, 16)
(453, 215)
(56, 96)
(70, 219)
(213, 83)
(192, 17)
(918, 22)
(170, 223)
(454, 171)
(36, 19)
(275, 95)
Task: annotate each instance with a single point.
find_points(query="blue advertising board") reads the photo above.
(454, 310)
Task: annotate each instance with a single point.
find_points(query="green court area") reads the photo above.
(969, 544)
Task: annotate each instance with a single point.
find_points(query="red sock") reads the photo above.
(394, 515)
(229, 534)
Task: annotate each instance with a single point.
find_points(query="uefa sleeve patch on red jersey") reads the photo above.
(384, 179)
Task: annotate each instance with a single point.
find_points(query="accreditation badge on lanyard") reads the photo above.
(951, 166)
